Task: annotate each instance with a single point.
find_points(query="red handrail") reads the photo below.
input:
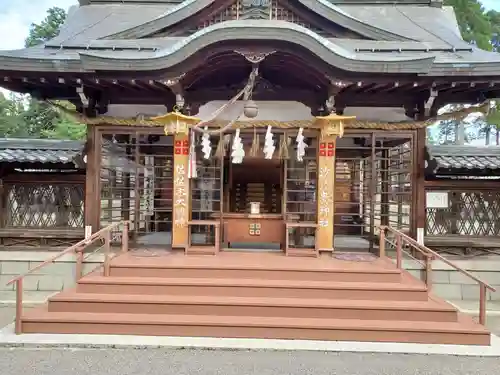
(79, 247)
(429, 255)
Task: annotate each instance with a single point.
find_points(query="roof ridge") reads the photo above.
(127, 2)
(435, 3)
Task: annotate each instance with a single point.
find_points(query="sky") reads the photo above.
(16, 17)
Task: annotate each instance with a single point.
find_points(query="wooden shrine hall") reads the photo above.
(287, 138)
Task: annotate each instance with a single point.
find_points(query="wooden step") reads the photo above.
(465, 331)
(253, 306)
(410, 290)
(269, 272)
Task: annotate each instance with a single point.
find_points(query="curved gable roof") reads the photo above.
(323, 8)
(326, 50)
(131, 20)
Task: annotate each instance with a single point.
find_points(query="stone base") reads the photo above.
(450, 284)
(44, 282)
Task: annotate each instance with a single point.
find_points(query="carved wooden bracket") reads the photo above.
(254, 56)
(429, 104)
(334, 88)
(175, 85)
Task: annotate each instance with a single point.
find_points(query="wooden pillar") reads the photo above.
(326, 193)
(331, 127)
(92, 202)
(178, 124)
(419, 207)
(180, 204)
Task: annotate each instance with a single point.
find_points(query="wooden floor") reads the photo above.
(273, 259)
(255, 295)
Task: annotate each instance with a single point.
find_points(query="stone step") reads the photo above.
(463, 332)
(214, 305)
(410, 290)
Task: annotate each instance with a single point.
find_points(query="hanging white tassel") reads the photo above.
(269, 144)
(192, 172)
(301, 145)
(206, 145)
(238, 152)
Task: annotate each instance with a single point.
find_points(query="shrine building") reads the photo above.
(243, 127)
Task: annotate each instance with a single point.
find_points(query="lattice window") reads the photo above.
(229, 13)
(267, 9)
(301, 194)
(137, 184)
(470, 213)
(206, 193)
(45, 206)
(279, 12)
(386, 181)
(301, 178)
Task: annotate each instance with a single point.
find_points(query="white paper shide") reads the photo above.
(269, 147)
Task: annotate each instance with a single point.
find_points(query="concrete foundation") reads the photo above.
(455, 286)
(45, 282)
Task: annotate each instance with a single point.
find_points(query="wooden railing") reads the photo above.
(206, 223)
(402, 240)
(78, 248)
(291, 250)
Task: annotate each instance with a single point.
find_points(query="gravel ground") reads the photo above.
(207, 362)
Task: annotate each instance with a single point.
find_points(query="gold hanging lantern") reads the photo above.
(176, 123)
(331, 124)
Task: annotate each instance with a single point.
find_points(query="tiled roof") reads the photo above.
(473, 158)
(401, 36)
(24, 150)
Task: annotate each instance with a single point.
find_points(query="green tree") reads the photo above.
(474, 23)
(11, 121)
(66, 129)
(33, 118)
(47, 29)
(39, 117)
(494, 18)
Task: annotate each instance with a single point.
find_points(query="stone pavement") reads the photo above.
(233, 362)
